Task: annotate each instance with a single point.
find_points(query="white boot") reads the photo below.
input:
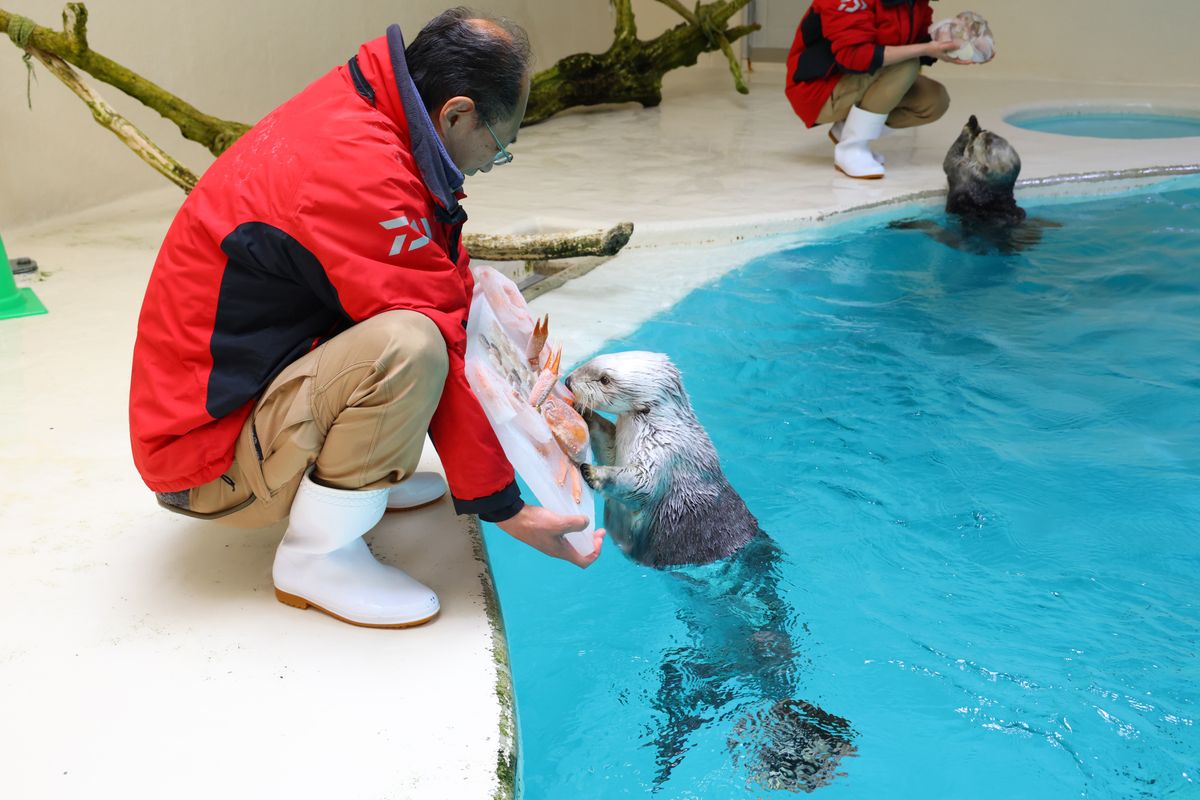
(835, 136)
(323, 562)
(852, 155)
(418, 489)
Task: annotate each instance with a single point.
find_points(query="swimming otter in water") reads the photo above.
(982, 168)
(741, 659)
(669, 506)
(667, 502)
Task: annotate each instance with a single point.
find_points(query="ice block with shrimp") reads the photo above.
(513, 371)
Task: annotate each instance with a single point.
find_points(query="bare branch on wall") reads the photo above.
(630, 70)
(71, 45)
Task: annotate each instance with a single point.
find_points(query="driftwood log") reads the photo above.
(549, 246)
(126, 131)
(631, 70)
(71, 45)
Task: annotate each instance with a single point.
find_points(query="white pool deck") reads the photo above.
(144, 655)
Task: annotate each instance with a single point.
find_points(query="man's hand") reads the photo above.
(543, 530)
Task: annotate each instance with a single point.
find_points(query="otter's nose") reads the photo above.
(567, 381)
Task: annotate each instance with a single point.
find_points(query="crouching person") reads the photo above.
(304, 324)
(857, 64)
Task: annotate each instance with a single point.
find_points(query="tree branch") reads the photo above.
(681, 9)
(72, 46)
(75, 18)
(631, 70)
(715, 34)
(626, 26)
(546, 246)
(125, 130)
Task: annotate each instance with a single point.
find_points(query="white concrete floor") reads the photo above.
(144, 655)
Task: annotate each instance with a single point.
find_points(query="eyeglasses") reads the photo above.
(502, 155)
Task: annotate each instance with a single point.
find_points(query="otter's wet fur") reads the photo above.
(741, 659)
(667, 502)
(981, 169)
(669, 506)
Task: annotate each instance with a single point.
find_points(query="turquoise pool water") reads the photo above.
(983, 476)
(1108, 124)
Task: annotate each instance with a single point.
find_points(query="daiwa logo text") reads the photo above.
(417, 243)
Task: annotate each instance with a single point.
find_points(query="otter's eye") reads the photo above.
(604, 379)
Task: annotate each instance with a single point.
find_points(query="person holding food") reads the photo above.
(857, 64)
(303, 328)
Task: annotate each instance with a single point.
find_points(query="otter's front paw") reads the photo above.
(589, 475)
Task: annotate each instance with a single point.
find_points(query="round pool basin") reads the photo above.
(1109, 122)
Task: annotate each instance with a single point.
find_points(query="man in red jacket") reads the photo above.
(857, 64)
(304, 324)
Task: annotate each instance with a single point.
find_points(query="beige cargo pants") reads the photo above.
(900, 91)
(357, 407)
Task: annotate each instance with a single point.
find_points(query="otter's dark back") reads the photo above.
(977, 202)
(684, 531)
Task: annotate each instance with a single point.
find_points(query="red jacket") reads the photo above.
(339, 205)
(840, 36)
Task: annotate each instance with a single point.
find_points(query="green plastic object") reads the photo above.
(15, 302)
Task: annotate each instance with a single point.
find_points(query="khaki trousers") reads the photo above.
(357, 407)
(900, 91)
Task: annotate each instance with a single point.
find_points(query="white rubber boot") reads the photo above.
(417, 490)
(852, 156)
(323, 562)
(835, 136)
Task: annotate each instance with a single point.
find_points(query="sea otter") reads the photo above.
(667, 502)
(669, 506)
(982, 168)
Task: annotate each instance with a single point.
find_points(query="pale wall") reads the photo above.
(1143, 42)
(239, 58)
(235, 59)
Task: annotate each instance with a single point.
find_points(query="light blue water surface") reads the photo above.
(984, 475)
(1109, 125)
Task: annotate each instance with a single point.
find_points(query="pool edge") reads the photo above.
(509, 740)
(731, 230)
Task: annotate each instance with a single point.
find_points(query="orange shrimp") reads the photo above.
(570, 430)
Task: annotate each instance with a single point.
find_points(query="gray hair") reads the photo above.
(461, 52)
